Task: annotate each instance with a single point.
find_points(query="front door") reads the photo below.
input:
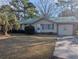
(38, 28)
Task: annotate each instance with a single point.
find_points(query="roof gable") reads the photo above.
(42, 19)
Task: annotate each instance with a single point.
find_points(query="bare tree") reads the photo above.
(45, 8)
(71, 8)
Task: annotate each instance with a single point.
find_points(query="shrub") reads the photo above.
(29, 29)
(16, 31)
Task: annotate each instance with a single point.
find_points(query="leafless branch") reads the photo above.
(45, 7)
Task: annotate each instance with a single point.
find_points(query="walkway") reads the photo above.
(67, 47)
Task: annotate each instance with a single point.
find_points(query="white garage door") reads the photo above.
(65, 29)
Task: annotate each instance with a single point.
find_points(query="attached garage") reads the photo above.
(66, 26)
(65, 29)
(62, 26)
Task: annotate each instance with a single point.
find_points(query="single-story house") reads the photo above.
(60, 25)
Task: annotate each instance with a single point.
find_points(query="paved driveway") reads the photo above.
(67, 47)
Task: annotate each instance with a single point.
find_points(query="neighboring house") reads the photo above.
(61, 25)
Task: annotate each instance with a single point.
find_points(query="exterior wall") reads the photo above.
(65, 29)
(37, 25)
(75, 27)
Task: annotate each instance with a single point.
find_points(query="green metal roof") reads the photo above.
(65, 19)
(54, 19)
(28, 21)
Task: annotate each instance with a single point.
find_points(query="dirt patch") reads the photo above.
(26, 47)
(4, 37)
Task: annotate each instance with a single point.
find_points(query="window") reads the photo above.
(52, 26)
(43, 26)
(47, 26)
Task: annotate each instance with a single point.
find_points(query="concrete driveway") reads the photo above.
(67, 47)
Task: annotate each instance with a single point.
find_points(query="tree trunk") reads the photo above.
(5, 30)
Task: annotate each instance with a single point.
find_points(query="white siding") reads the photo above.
(65, 29)
(22, 27)
(37, 25)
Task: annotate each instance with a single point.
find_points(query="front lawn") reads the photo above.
(27, 47)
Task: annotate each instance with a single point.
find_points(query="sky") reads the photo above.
(55, 11)
(4, 2)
